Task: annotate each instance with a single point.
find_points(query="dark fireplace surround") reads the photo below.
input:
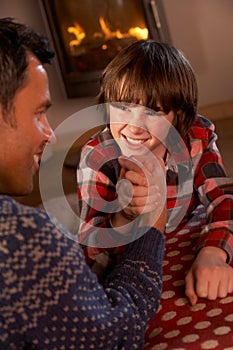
(87, 34)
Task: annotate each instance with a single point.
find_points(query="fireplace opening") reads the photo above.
(88, 34)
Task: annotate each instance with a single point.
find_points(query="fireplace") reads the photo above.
(88, 34)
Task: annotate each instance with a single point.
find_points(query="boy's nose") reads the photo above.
(135, 128)
(137, 121)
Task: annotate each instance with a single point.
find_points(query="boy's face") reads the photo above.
(138, 129)
(22, 145)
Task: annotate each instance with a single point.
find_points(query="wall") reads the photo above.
(202, 29)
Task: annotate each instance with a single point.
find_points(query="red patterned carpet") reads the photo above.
(178, 325)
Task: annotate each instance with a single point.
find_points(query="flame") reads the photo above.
(78, 31)
(139, 33)
(108, 33)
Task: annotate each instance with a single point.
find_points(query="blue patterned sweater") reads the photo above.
(49, 298)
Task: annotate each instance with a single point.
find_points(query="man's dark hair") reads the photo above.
(16, 40)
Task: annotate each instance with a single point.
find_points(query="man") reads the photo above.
(49, 299)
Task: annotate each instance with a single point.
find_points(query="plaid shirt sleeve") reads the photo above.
(215, 189)
(96, 178)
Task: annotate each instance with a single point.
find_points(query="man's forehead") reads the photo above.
(33, 60)
(34, 66)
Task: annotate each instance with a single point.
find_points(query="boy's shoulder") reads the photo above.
(202, 128)
(103, 144)
(101, 148)
(99, 137)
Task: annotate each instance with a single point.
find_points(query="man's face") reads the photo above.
(21, 146)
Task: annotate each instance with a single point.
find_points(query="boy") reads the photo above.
(151, 92)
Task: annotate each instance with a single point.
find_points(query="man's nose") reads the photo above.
(52, 139)
(48, 132)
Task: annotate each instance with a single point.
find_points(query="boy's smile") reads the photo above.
(135, 141)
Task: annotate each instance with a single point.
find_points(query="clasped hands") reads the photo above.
(141, 191)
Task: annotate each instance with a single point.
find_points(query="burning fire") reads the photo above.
(107, 34)
(79, 34)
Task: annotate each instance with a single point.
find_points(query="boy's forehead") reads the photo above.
(126, 91)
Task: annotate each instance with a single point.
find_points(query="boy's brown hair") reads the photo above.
(152, 73)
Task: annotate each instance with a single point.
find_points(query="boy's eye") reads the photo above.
(154, 113)
(123, 107)
(120, 105)
(150, 112)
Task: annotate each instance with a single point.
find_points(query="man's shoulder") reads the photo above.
(23, 224)
(16, 216)
(9, 206)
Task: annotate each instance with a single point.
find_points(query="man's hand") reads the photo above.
(160, 223)
(209, 276)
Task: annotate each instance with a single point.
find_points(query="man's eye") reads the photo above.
(40, 114)
(40, 117)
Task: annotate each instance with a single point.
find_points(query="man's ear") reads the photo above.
(8, 118)
(1, 116)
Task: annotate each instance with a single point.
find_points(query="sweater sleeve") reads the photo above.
(49, 298)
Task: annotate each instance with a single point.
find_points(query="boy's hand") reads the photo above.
(145, 191)
(209, 276)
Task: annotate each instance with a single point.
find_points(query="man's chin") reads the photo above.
(22, 191)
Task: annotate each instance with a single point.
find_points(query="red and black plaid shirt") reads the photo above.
(98, 173)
